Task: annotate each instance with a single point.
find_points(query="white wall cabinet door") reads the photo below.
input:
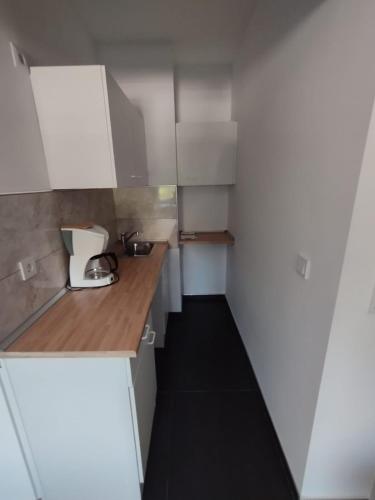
(206, 153)
(128, 137)
(145, 72)
(23, 165)
(93, 136)
(15, 475)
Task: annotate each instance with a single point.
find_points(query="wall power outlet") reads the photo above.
(27, 268)
(19, 58)
(371, 310)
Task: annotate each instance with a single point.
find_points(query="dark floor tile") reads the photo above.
(212, 436)
(156, 481)
(222, 448)
(204, 350)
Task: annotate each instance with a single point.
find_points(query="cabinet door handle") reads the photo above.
(136, 176)
(152, 338)
(146, 332)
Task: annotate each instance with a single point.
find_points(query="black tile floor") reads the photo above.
(212, 438)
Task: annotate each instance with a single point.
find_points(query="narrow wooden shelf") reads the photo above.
(210, 238)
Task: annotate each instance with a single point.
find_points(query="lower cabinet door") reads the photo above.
(78, 419)
(160, 307)
(143, 398)
(15, 477)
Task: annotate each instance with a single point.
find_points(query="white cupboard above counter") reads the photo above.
(93, 136)
(206, 153)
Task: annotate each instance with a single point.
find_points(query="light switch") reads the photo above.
(372, 303)
(303, 266)
(27, 268)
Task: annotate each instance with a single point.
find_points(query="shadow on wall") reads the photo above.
(291, 14)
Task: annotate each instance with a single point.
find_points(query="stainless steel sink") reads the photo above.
(139, 248)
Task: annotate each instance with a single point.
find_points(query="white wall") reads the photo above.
(341, 460)
(49, 30)
(203, 93)
(203, 208)
(203, 269)
(303, 89)
(49, 33)
(145, 74)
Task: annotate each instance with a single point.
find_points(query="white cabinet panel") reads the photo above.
(23, 165)
(128, 134)
(145, 73)
(174, 279)
(204, 269)
(92, 135)
(160, 307)
(143, 399)
(15, 478)
(78, 419)
(206, 153)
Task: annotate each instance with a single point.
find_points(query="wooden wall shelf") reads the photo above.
(210, 237)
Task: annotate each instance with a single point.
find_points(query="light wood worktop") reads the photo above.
(105, 321)
(210, 238)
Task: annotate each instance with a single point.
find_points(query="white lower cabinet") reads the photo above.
(18, 479)
(160, 306)
(143, 398)
(88, 422)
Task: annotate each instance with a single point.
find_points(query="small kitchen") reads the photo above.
(187, 303)
(121, 204)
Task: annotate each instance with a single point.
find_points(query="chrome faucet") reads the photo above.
(125, 237)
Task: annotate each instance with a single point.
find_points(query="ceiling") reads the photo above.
(199, 30)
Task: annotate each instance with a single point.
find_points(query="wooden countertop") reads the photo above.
(210, 237)
(105, 321)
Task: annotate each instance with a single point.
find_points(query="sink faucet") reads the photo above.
(125, 237)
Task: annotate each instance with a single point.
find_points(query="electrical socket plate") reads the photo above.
(303, 266)
(371, 309)
(27, 268)
(19, 58)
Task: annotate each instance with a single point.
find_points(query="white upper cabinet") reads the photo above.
(145, 72)
(93, 136)
(23, 166)
(206, 153)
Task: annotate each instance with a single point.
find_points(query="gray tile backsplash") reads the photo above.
(29, 227)
(151, 210)
(153, 202)
(20, 299)
(151, 229)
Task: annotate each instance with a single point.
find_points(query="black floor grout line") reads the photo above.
(205, 391)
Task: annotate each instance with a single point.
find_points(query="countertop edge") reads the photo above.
(68, 354)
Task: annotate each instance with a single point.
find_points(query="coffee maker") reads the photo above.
(89, 265)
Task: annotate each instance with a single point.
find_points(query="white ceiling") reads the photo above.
(199, 30)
